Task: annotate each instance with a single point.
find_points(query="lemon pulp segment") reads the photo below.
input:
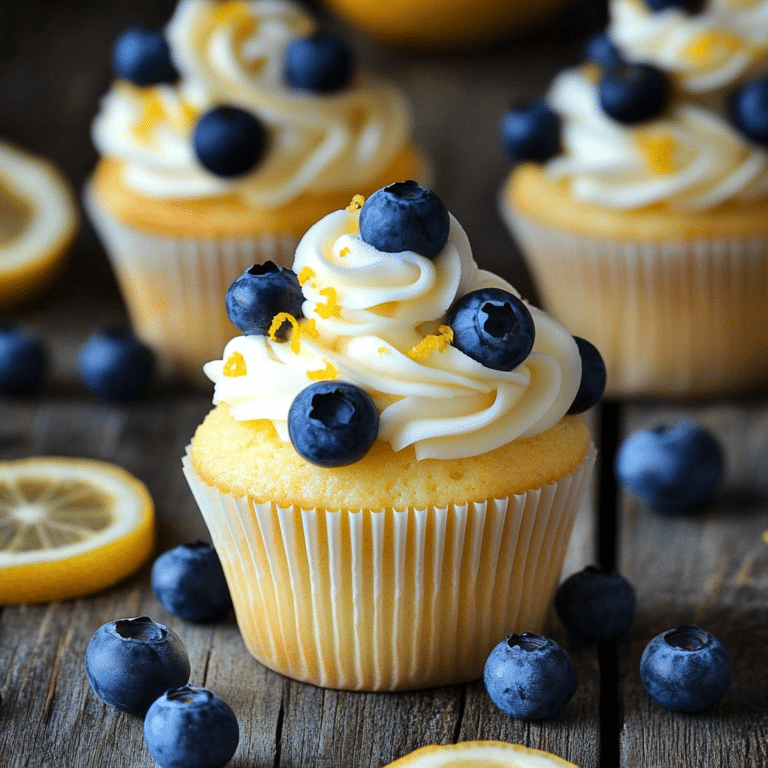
(480, 754)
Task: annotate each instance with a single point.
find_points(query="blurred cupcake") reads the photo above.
(223, 138)
(394, 461)
(642, 202)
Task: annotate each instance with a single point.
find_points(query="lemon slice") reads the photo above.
(69, 527)
(38, 221)
(480, 754)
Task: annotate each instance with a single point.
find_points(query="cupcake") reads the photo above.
(640, 197)
(390, 472)
(223, 138)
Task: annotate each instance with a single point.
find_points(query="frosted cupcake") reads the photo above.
(391, 472)
(642, 207)
(223, 138)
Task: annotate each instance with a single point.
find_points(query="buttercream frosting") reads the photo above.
(232, 52)
(690, 158)
(375, 320)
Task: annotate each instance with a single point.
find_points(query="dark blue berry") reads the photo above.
(142, 56)
(690, 6)
(405, 217)
(634, 93)
(23, 361)
(130, 662)
(686, 669)
(260, 293)
(332, 423)
(322, 63)
(531, 132)
(749, 110)
(600, 50)
(492, 326)
(189, 582)
(114, 364)
(229, 141)
(671, 468)
(593, 377)
(596, 605)
(530, 676)
(191, 727)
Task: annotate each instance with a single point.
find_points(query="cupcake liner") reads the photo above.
(174, 288)
(671, 319)
(396, 598)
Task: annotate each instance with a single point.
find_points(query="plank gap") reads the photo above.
(607, 495)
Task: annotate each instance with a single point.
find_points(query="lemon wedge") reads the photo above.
(39, 218)
(480, 754)
(69, 527)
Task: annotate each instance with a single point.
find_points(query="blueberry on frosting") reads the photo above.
(749, 110)
(634, 93)
(405, 216)
(229, 141)
(531, 132)
(332, 423)
(690, 6)
(599, 49)
(493, 327)
(142, 56)
(593, 377)
(322, 63)
(261, 293)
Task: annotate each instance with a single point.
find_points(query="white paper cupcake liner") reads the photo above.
(671, 319)
(390, 599)
(174, 288)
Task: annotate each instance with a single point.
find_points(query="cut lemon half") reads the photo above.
(69, 527)
(480, 754)
(39, 218)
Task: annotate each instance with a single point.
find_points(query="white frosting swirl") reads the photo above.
(690, 158)
(232, 53)
(442, 402)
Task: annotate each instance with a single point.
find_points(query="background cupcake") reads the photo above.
(223, 138)
(641, 205)
(390, 475)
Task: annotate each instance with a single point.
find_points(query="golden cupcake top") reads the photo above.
(386, 318)
(249, 99)
(666, 110)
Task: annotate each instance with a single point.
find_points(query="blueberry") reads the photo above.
(23, 361)
(191, 727)
(130, 662)
(332, 423)
(601, 50)
(595, 605)
(634, 93)
(189, 582)
(322, 63)
(405, 217)
(593, 377)
(686, 669)
(142, 56)
(530, 676)
(749, 110)
(670, 468)
(531, 132)
(691, 6)
(114, 364)
(260, 293)
(229, 141)
(492, 326)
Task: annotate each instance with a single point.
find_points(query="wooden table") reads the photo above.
(708, 568)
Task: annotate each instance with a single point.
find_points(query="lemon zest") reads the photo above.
(344, 252)
(712, 47)
(592, 72)
(297, 330)
(329, 372)
(659, 152)
(235, 365)
(356, 203)
(330, 308)
(383, 350)
(306, 274)
(439, 342)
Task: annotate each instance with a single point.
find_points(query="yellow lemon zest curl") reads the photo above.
(434, 342)
(297, 330)
(330, 308)
(235, 365)
(356, 203)
(327, 373)
(306, 274)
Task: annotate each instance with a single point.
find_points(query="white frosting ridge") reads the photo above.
(444, 403)
(232, 53)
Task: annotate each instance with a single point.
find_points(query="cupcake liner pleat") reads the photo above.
(174, 288)
(669, 318)
(390, 599)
